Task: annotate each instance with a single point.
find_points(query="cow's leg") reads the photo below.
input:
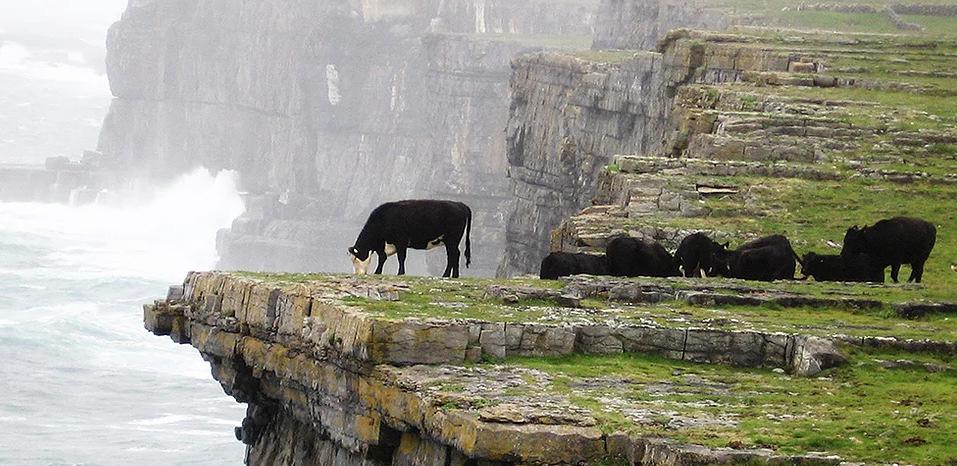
(448, 263)
(452, 252)
(400, 253)
(455, 262)
(382, 258)
(916, 272)
(895, 270)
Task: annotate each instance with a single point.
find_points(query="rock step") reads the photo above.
(643, 164)
(594, 227)
(363, 411)
(314, 319)
(336, 331)
(260, 337)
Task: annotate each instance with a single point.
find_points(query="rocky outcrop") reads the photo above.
(59, 180)
(568, 115)
(716, 119)
(331, 377)
(327, 109)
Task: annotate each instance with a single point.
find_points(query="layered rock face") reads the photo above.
(326, 109)
(570, 114)
(360, 371)
(638, 24)
(761, 127)
(567, 116)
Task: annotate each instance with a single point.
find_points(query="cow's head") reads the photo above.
(854, 242)
(361, 259)
(811, 264)
(721, 261)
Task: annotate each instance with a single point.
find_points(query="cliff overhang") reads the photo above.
(428, 371)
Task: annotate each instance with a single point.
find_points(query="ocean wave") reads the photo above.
(77, 364)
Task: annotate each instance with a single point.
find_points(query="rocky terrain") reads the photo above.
(342, 370)
(738, 134)
(730, 129)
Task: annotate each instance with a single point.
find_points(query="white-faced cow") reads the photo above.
(765, 259)
(563, 264)
(396, 227)
(895, 241)
(629, 257)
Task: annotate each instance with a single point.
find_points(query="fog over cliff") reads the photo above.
(54, 91)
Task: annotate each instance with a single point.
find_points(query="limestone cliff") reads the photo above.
(568, 115)
(327, 109)
(403, 371)
(638, 24)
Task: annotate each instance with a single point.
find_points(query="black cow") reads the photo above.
(695, 254)
(765, 259)
(563, 264)
(629, 257)
(395, 227)
(895, 241)
(837, 268)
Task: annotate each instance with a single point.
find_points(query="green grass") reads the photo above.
(551, 41)
(831, 21)
(811, 213)
(862, 412)
(466, 299)
(605, 56)
(934, 25)
(780, 13)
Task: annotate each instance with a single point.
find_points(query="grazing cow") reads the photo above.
(836, 268)
(766, 259)
(629, 257)
(892, 242)
(563, 264)
(695, 255)
(395, 227)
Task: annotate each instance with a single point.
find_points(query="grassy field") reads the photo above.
(467, 299)
(782, 13)
(864, 412)
(811, 213)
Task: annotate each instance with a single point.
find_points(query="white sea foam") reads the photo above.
(82, 381)
(155, 237)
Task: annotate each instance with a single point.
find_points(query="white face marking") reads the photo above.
(361, 267)
(389, 249)
(437, 242)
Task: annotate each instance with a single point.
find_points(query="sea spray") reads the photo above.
(83, 383)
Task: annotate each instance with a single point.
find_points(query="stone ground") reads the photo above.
(585, 370)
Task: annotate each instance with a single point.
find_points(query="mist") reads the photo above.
(588, 216)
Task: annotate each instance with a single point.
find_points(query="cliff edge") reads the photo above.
(418, 371)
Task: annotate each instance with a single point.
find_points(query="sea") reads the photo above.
(81, 381)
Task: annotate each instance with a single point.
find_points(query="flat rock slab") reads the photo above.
(318, 319)
(916, 310)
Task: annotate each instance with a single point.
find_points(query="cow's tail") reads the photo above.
(797, 258)
(468, 241)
